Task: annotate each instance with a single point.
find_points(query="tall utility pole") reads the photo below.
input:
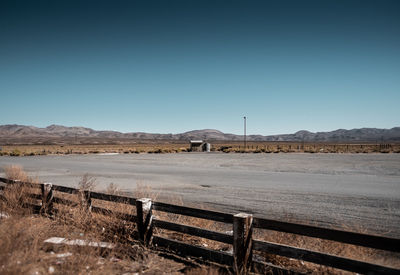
(244, 118)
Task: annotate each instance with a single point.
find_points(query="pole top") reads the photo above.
(243, 215)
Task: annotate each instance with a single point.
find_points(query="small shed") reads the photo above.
(199, 146)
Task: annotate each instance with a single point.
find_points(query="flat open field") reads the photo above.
(93, 146)
(358, 192)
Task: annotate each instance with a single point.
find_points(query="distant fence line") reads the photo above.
(241, 259)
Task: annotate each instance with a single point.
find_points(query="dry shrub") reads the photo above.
(20, 242)
(15, 199)
(16, 195)
(87, 183)
(113, 189)
(145, 191)
(23, 251)
(206, 271)
(15, 172)
(114, 226)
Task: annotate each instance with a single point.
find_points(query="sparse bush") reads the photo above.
(15, 153)
(145, 191)
(87, 183)
(113, 189)
(15, 172)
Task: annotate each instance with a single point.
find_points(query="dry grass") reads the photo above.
(158, 147)
(23, 234)
(113, 189)
(87, 183)
(145, 191)
(23, 252)
(137, 148)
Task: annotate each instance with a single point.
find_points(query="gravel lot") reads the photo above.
(353, 191)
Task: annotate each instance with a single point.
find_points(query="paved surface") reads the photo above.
(353, 191)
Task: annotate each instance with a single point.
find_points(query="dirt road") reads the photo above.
(353, 191)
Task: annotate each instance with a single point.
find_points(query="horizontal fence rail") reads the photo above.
(194, 251)
(194, 231)
(240, 259)
(193, 212)
(378, 242)
(317, 257)
(113, 198)
(65, 189)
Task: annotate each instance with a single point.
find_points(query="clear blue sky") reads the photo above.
(174, 66)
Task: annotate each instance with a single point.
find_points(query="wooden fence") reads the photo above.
(241, 259)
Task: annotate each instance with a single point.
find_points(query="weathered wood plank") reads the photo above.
(193, 212)
(113, 198)
(194, 231)
(65, 189)
(184, 249)
(384, 243)
(55, 243)
(322, 258)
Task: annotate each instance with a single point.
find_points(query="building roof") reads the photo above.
(196, 141)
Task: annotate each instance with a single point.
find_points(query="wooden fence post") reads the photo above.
(47, 198)
(144, 219)
(242, 242)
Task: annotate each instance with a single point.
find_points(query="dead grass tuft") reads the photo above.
(15, 172)
(144, 191)
(87, 183)
(113, 189)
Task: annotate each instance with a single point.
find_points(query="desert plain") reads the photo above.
(356, 192)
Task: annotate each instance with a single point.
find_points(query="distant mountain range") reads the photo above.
(21, 132)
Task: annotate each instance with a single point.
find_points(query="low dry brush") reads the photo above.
(23, 233)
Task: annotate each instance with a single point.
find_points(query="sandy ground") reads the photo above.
(359, 192)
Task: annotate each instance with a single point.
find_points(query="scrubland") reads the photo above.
(178, 147)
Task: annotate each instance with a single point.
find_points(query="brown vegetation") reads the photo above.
(23, 234)
(223, 146)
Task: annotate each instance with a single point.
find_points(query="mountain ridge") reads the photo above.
(15, 131)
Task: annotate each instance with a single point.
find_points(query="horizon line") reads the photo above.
(177, 133)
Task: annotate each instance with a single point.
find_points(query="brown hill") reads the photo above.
(18, 132)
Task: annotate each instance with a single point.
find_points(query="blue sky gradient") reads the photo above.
(175, 66)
